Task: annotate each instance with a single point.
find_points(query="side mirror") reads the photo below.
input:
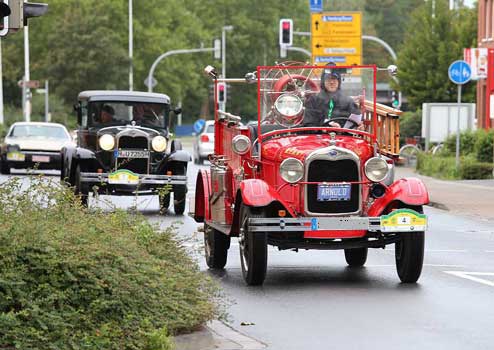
(392, 70)
(251, 78)
(177, 110)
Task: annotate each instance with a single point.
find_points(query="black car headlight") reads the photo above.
(159, 143)
(106, 142)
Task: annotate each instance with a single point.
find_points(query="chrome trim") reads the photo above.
(143, 179)
(314, 224)
(324, 154)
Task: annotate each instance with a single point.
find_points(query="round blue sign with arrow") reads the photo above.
(198, 125)
(459, 72)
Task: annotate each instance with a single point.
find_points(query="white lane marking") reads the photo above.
(471, 276)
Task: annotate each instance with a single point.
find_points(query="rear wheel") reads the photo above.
(216, 246)
(356, 257)
(253, 248)
(179, 193)
(80, 189)
(409, 254)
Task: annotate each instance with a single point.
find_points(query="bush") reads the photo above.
(74, 279)
(445, 167)
(471, 169)
(467, 143)
(484, 146)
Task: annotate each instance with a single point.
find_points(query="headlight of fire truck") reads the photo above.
(158, 143)
(289, 108)
(376, 169)
(241, 144)
(291, 170)
(107, 142)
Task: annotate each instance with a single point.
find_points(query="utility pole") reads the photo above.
(26, 90)
(1, 85)
(223, 57)
(131, 49)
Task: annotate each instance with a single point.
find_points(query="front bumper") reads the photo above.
(38, 159)
(137, 179)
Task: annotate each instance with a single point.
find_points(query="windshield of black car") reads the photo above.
(39, 131)
(106, 113)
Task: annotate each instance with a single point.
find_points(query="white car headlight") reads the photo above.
(159, 143)
(107, 142)
(292, 170)
(289, 108)
(376, 169)
(241, 144)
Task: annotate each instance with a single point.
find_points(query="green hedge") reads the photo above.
(74, 279)
(445, 167)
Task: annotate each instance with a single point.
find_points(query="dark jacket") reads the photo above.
(317, 107)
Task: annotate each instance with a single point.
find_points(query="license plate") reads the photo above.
(132, 154)
(123, 177)
(41, 159)
(337, 192)
(16, 156)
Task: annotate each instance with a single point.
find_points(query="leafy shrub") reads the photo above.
(445, 167)
(467, 143)
(484, 146)
(410, 125)
(74, 279)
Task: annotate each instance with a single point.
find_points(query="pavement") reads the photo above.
(470, 198)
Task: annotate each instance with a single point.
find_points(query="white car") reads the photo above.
(33, 144)
(204, 142)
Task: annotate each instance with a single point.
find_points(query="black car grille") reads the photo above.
(133, 142)
(344, 170)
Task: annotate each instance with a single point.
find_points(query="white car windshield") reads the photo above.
(39, 131)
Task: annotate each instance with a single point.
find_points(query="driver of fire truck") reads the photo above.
(331, 103)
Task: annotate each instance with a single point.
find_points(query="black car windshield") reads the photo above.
(41, 131)
(106, 113)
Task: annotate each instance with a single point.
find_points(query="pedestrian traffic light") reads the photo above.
(4, 17)
(15, 13)
(395, 99)
(221, 92)
(286, 32)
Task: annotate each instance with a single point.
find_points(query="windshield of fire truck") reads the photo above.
(310, 96)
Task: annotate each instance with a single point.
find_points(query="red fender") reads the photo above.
(203, 191)
(411, 191)
(257, 193)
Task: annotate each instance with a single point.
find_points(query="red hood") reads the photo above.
(300, 146)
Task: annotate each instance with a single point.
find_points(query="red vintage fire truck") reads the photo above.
(293, 186)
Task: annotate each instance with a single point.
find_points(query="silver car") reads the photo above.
(204, 142)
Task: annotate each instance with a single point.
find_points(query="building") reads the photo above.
(485, 87)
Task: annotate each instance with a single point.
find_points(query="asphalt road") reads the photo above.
(312, 300)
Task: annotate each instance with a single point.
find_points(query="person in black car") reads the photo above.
(107, 114)
(331, 103)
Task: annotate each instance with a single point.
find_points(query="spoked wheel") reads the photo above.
(80, 189)
(356, 257)
(179, 193)
(216, 246)
(409, 254)
(253, 248)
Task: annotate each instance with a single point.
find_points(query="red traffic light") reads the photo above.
(221, 93)
(286, 32)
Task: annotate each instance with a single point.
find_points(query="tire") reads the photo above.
(253, 249)
(356, 257)
(4, 167)
(80, 190)
(216, 246)
(179, 193)
(409, 255)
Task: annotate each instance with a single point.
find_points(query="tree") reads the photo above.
(432, 43)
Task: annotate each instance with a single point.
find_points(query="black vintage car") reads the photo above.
(123, 148)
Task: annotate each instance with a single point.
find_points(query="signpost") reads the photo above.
(336, 37)
(315, 5)
(460, 73)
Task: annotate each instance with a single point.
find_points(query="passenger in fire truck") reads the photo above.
(331, 103)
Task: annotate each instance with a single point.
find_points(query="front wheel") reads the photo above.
(253, 248)
(216, 246)
(179, 193)
(80, 189)
(409, 255)
(164, 200)
(4, 167)
(356, 257)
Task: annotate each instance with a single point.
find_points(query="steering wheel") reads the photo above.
(345, 119)
(293, 82)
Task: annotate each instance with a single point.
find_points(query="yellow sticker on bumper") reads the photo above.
(123, 177)
(16, 156)
(403, 220)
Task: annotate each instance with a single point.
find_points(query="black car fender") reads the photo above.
(170, 161)
(71, 157)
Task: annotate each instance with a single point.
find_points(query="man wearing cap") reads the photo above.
(330, 103)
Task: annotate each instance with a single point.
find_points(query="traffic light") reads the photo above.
(286, 32)
(15, 14)
(221, 92)
(395, 99)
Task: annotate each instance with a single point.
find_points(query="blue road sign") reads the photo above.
(315, 5)
(459, 72)
(198, 125)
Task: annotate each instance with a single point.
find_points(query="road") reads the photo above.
(312, 300)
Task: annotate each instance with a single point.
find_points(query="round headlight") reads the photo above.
(158, 143)
(291, 170)
(107, 142)
(241, 144)
(376, 169)
(289, 108)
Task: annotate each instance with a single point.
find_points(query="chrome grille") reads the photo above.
(137, 165)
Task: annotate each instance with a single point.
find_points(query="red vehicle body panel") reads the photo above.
(203, 191)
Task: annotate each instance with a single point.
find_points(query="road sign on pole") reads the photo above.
(315, 5)
(460, 73)
(28, 84)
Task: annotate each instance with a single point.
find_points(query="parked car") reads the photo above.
(292, 186)
(123, 148)
(204, 142)
(33, 145)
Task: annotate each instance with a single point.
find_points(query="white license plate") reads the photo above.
(41, 159)
(133, 154)
(337, 192)
(16, 156)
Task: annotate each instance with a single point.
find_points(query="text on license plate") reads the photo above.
(41, 159)
(334, 192)
(132, 154)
